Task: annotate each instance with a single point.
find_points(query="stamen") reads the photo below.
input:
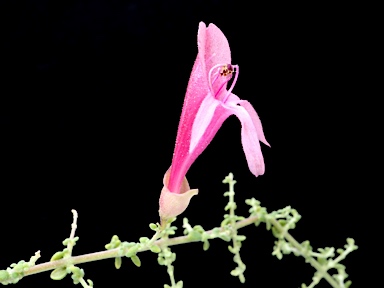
(226, 71)
(233, 82)
(210, 83)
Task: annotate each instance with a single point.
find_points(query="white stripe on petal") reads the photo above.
(202, 120)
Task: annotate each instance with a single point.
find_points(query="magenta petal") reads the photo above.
(203, 119)
(255, 119)
(196, 91)
(213, 49)
(249, 140)
(209, 39)
(216, 47)
(205, 110)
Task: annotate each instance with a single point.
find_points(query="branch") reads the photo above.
(116, 252)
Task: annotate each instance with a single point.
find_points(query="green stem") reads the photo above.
(311, 260)
(232, 201)
(170, 242)
(73, 230)
(171, 275)
(83, 283)
(115, 252)
(154, 238)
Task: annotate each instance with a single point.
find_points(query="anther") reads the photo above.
(226, 70)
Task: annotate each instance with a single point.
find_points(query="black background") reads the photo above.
(91, 97)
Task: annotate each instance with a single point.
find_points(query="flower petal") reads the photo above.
(203, 119)
(197, 89)
(249, 138)
(213, 49)
(215, 46)
(255, 119)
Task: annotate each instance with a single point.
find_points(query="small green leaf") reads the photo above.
(171, 232)
(206, 245)
(3, 275)
(132, 251)
(240, 238)
(236, 272)
(155, 249)
(136, 260)
(153, 226)
(194, 235)
(179, 284)
(118, 262)
(225, 237)
(160, 260)
(59, 273)
(58, 256)
(115, 243)
(77, 272)
(276, 232)
(225, 221)
(351, 241)
(143, 240)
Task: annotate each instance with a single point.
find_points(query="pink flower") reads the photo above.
(207, 105)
